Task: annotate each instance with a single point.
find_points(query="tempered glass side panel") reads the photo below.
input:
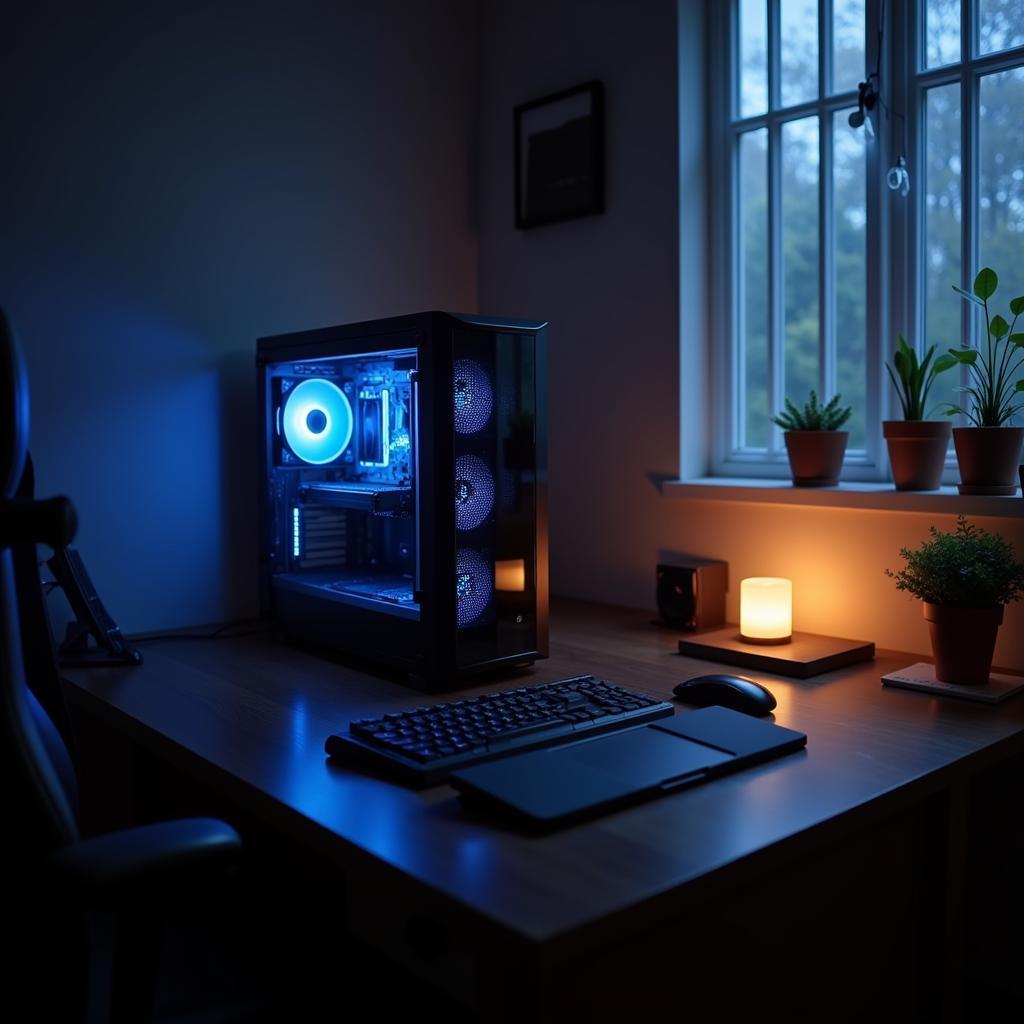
(341, 478)
(495, 459)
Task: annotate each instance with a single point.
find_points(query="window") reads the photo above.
(817, 265)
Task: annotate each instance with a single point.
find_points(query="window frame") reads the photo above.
(917, 79)
(895, 292)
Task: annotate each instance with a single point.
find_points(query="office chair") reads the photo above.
(56, 882)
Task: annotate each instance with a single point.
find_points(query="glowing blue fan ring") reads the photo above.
(317, 421)
(474, 492)
(474, 584)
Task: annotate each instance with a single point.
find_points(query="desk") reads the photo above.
(836, 874)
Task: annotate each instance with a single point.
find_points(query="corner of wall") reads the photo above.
(694, 375)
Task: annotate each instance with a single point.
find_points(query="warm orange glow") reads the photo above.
(510, 575)
(766, 609)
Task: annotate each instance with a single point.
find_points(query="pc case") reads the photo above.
(404, 491)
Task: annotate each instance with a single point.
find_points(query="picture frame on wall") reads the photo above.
(559, 156)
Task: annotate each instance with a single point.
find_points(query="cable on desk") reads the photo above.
(218, 634)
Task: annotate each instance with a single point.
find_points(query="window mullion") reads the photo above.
(968, 164)
(774, 55)
(738, 424)
(776, 318)
(826, 263)
(889, 219)
(825, 69)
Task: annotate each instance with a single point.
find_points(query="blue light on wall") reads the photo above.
(317, 421)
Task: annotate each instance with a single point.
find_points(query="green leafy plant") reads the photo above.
(915, 378)
(995, 396)
(968, 568)
(813, 416)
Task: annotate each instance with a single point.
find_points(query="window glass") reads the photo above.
(800, 266)
(799, 71)
(1001, 25)
(754, 284)
(847, 45)
(850, 269)
(942, 32)
(943, 198)
(1001, 182)
(753, 41)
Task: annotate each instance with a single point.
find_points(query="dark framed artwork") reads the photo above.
(559, 154)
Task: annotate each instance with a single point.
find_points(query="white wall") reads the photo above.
(180, 179)
(620, 292)
(608, 284)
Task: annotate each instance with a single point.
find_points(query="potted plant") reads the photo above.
(917, 446)
(989, 451)
(814, 443)
(965, 578)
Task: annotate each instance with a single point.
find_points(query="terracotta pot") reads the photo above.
(816, 456)
(988, 458)
(963, 642)
(917, 452)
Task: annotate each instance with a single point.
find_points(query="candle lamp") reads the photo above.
(766, 610)
(765, 640)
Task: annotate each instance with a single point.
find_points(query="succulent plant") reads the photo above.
(813, 416)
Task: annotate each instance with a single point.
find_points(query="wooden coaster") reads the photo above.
(806, 655)
(921, 676)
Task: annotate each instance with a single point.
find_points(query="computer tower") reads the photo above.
(404, 492)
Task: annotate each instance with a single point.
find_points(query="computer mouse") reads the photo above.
(736, 692)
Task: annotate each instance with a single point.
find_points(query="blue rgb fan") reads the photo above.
(317, 421)
(473, 396)
(473, 586)
(474, 492)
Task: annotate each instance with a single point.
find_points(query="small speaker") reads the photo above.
(691, 595)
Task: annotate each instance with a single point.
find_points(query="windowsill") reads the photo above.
(845, 495)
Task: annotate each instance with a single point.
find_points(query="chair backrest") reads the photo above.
(30, 748)
(13, 410)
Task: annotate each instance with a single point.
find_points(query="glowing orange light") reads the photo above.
(766, 610)
(510, 575)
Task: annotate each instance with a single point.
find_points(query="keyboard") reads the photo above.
(424, 745)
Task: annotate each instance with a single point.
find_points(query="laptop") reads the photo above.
(557, 786)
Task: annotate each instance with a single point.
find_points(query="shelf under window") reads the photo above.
(844, 495)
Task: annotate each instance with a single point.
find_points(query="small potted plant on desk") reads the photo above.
(965, 579)
(989, 451)
(814, 443)
(917, 446)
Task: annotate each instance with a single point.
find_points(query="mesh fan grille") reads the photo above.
(473, 586)
(474, 492)
(473, 396)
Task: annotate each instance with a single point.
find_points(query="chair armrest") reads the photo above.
(163, 860)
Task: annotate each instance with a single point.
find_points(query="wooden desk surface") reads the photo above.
(250, 716)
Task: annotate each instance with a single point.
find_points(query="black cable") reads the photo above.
(217, 634)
